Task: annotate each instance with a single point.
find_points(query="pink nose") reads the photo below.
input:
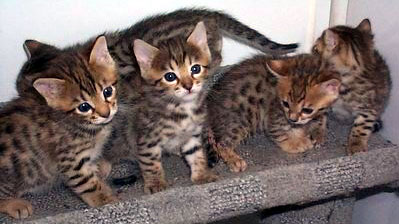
(188, 87)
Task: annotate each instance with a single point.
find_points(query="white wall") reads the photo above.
(382, 208)
(64, 22)
(385, 25)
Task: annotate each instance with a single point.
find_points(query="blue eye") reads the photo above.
(170, 76)
(107, 92)
(84, 107)
(195, 69)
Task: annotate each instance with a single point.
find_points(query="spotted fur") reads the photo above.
(366, 81)
(170, 111)
(50, 135)
(286, 98)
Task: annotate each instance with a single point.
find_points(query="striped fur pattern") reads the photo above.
(159, 28)
(287, 98)
(156, 31)
(366, 81)
(170, 112)
(60, 133)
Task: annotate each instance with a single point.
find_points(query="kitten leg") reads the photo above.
(84, 180)
(361, 131)
(228, 154)
(318, 129)
(295, 140)
(195, 156)
(16, 208)
(151, 168)
(104, 168)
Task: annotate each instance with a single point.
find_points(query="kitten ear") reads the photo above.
(278, 67)
(144, 53)
(330, 39)
(331, 86)
(99, 54)
(31, 47)
(199, 38)
(364, 26)
(51, 89)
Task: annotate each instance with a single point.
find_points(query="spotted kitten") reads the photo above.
(286, 98)
(366, 82)
(61, 132)
(170, 111)
(159, 28)
(155, 30)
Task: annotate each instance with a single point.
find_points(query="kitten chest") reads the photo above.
(184, 128)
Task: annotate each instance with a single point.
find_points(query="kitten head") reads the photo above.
(178, 66)
(79, 81)
(304, 88)
(346, 48)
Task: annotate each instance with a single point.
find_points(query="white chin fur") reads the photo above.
(303, 121)
(102, 120)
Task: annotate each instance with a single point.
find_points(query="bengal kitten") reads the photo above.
(286, 98)
(161, 27)
(156, 30)
(366, 82)
(60, 134)
(170, 113)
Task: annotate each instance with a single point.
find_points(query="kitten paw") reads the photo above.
(16, 208)
(237, 165)
(356, 148)
(102, 196)
(297, 145)
(204, 178)
(155, 186)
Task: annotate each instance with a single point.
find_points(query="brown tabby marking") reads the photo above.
(287, 98)
(61, 131)
(366, 82)
(154, 30)
(170, 111)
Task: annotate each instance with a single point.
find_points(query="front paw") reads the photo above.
(356, 147)
(154, 186)
(101, 196)
(297, 145)
(237, 164)
(205, 177)
(16, 208)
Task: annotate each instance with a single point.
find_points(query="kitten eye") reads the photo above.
(84, 107)
(285, 104)
(195, 69)
(107, 92)
(170, 76)
(307, 110)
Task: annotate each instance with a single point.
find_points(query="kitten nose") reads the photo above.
(188, 86)
(292, 118)
(105, 112)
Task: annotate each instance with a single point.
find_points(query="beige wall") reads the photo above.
(385, 24)
(64, 22)
(381, 208)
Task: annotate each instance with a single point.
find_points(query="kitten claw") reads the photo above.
(17, 208)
